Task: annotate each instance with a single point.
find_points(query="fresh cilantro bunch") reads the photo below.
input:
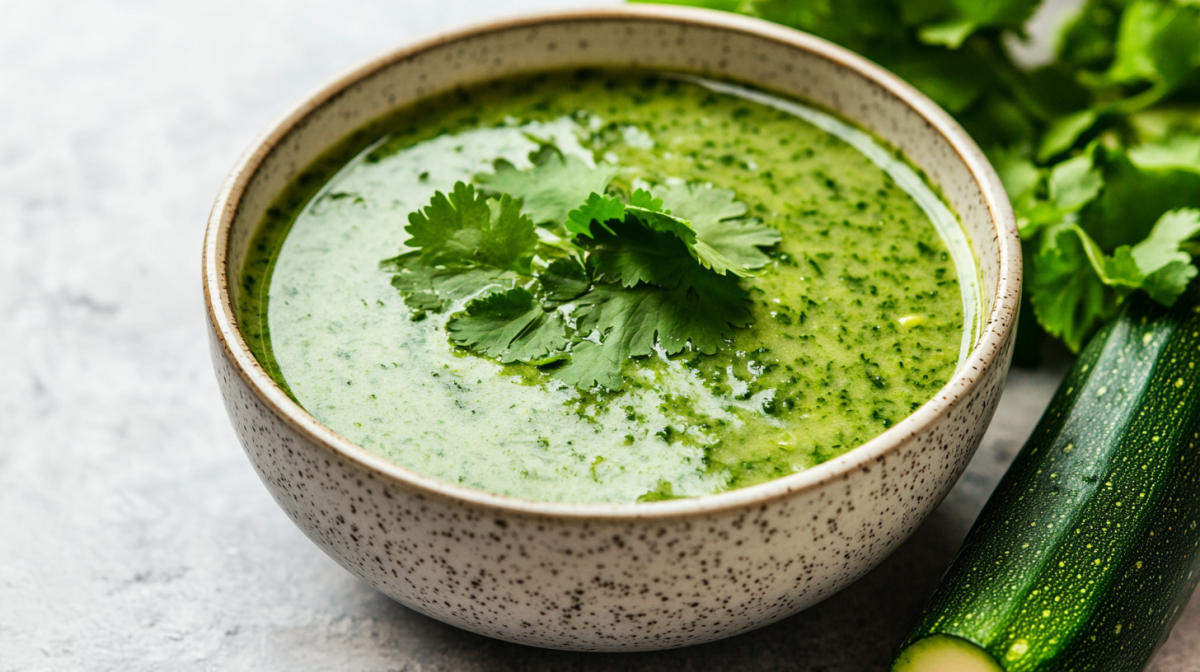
(1099, 149)
(560, 267)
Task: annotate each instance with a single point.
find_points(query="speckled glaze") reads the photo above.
(616, 577)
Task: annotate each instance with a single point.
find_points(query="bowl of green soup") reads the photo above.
(618, 329)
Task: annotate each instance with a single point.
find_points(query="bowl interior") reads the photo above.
(708, 44)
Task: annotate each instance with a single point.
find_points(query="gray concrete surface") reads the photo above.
(133, 533)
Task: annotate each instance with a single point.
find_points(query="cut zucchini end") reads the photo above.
(944, 653)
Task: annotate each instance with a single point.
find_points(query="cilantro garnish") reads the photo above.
(552, 187)
(431, 288)
(610, 277)
(465, 242)
(598, 209)
(1096, 147)
(717, 219)
(468, 229)
(510, 326)
(629, 321)
(564, 279)
(651, 235)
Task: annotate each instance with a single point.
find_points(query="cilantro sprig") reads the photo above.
(1099, 148)
(552, 187)
(601, 278)
(464, 242)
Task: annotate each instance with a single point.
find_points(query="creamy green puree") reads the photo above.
(859, 317)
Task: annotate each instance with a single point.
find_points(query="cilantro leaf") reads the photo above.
(1160, 257)
(630, 321)
(950, 23)
(1070, 186)
(702, 205)
(1157, 43)
(1165, 124)
(1063, 132)
(1019, 175)
(1168, 283)
(1076, 286)
(564, 279)
(1074, 183)
(510, 327)
(665, 222)
(629, 252)
(1088, 40)
(644, 247)
(1183, 152)
(739, 240)
(1162, 245)
(727, 5)
(854, 23)
(654, 285)
(467, 228)
(1134, 198)
(1022, 180)
(605, 209)
(431, 288)
(712, 213)
(954, 83)
(552, 187)
(1068, 296)
(646, 200)
(597, 208)
(465, 242)
(630, 256)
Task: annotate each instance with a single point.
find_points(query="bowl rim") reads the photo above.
(999, 322)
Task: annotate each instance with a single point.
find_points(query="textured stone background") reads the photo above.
(133, 533)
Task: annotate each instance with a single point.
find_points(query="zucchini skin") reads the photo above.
(1087, 552)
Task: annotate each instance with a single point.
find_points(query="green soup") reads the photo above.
(866, 308)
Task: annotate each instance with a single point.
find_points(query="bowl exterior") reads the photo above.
(597, 584)
(636, 577)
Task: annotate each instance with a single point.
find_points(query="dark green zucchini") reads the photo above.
(1087, 551)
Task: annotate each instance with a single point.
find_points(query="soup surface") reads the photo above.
(859, 316)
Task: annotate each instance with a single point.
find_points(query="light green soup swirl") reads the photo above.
(859, 317)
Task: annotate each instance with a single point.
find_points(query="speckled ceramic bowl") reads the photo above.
(616, 577)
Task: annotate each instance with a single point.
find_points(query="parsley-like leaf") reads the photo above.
(1074, 183)
(1160, 257)
(630, 321)
(1063, 132)
(714, 215)
(702, 205)
(630, 256)
(629, 252)
(1070, 186)
(1156, 42)
(552, 187)
(1182, 153)
(467, 228)
(647, 201)
(465, 242)
(1068, 296)
(564, 279)
(597, 208)
(1021, 179)
(1169, 282)
(511, 327)
(426, 287)
(1134, 198)
(1076, 285)
(956, 21)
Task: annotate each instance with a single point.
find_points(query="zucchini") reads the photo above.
(1086, 553)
